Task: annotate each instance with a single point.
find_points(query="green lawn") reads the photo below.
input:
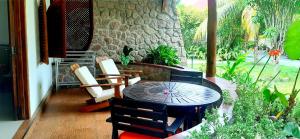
(284, 81)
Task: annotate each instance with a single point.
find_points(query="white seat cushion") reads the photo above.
(105, 95)
(122, 87)
(133, 80)
(86, 78)
(108, 66)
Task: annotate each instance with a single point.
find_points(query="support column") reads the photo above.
(211, 38)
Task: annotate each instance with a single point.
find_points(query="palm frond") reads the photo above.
(251, 28)
(222, 11)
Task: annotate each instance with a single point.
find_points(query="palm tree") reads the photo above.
(277, 15)
(251, 28)
(223, 8)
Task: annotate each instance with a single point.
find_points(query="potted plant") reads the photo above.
(163, 55)
(125, 57)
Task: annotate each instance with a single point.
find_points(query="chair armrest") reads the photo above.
(131, 71)
(175, 125)
(122, 75)
(95, 85)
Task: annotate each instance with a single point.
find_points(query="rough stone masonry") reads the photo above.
(140, 24)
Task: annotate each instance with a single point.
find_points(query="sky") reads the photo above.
(199, 3)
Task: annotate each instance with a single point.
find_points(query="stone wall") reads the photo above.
(140, 24)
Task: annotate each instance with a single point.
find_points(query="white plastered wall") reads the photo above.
(40, 75)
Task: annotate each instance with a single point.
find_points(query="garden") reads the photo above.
(257, 49)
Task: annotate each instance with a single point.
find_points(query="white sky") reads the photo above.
(197, 3)
(189, 2)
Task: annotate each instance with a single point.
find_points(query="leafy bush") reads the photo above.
(284, 13)
(292, 129)
(163, 55)
(196, 51)
(292, 42)
(227, 99)
(190, 18)
(229, 54)
(258, 112)
(125, 57)
(230, 33)
(230, 69)
(296, 111)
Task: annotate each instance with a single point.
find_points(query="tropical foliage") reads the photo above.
(224, 7)
(291, 46)
(276, 15)
(230, 69)
(259, 111)
(190, 18)
(125, 57)
(163, 55)
(230, 33)
(250, 24)
(241, 25)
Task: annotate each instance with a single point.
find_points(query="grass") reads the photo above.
(284, 82)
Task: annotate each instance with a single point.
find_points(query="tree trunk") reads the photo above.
(211, 38)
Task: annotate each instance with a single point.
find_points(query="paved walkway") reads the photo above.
(283, 61)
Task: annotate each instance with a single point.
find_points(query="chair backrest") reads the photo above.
(86, 78)
(139, 117)
(108, 66)
(186, 76)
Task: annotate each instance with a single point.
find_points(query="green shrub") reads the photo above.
(296, 111)
(292, 129)
(227, 99)
(196, 51)
(258, 112)
(163, 55)
(230, 69)
(190, 18)
(125, 57)
(292, 41)
(231, 34)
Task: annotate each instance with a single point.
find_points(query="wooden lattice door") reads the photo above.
(70, 26)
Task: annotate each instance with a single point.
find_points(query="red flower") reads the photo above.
(274, 52)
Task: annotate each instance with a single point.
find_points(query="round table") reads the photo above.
(177, 95)
(172, 93)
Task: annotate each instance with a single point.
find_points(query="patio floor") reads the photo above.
(62, 119)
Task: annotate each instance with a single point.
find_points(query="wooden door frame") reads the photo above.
(17, 29)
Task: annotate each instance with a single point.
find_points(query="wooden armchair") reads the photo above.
(109, 69)
(141, 120)
(193, 77)
(99, 96)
